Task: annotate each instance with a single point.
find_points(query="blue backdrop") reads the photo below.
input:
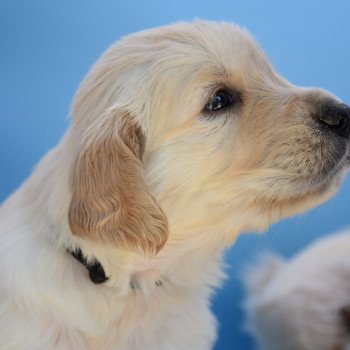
(46, 47)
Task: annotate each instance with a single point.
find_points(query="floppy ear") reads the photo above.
(111, 202)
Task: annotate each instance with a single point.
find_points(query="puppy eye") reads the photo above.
(220, 100)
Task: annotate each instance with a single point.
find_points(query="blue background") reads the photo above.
(46, 48)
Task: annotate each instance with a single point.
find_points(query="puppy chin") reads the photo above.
(312, 198)
(310, 191)
(306, 198)
(330, 179)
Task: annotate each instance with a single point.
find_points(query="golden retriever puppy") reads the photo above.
(303, 304)
(181, 138)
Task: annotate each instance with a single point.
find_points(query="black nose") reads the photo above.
(335, 117)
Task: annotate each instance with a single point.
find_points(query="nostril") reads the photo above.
(343, 121)
(332, 120)
(336, 118)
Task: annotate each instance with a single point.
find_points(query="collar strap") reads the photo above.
(96, 272)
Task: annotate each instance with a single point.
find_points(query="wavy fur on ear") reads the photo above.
(111, 201)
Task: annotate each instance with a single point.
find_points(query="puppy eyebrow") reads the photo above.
(211, 89)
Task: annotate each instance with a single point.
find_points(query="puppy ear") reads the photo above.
(111, 202)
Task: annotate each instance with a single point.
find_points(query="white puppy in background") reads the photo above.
(304, 303)
(181, 138)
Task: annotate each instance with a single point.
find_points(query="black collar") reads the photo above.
(96, 272)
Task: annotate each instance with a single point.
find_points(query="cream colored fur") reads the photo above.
(297, 304)
(145, 168)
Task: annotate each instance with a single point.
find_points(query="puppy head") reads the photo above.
(227, 141)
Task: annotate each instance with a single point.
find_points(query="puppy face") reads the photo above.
(228, 143)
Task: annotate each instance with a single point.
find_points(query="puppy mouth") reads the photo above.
(300, 189)
(322, 175)
(331, 173)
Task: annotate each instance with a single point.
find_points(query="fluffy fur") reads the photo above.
(302, 304)
(146, 168)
